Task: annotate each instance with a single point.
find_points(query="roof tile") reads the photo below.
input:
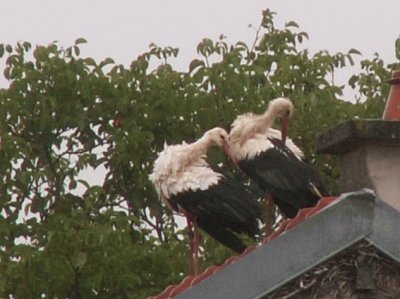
(287, 224)
(277, 232)
(185, 284)
(166, 293)
(248, 250)
(208, 272)
(230, 260)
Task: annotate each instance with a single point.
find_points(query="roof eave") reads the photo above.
(385, 234)
(351, 218)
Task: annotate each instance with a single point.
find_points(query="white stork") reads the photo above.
(208, 199)
(273, 161)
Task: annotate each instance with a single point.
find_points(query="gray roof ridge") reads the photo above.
(352, 217)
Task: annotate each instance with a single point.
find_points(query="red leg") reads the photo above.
(196, 242)
(270, 215)
(194, 245)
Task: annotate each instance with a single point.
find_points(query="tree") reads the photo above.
(63, 114)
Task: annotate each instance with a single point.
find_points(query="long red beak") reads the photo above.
(229, 152)
(284, 128)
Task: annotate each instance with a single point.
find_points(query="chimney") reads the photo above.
(392, 109)
(369, 150)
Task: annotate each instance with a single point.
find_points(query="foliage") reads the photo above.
(62, 236)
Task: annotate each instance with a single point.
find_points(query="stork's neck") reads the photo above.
(260, 124)
(201, 146)
(267, 118)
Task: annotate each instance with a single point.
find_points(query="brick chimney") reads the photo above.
(369, 150)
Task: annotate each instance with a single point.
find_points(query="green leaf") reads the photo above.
(79, 259)
(106, 61)
(300, 38)
(9, 48)
(72, 185)
(77, 50)
(27, 46)
(292, 24)
(397, 48)
(242, 45)
(6, 73)
(354, 51)
(90, 61)
(80, 40)
(350, 59)
(195, 64)
(353, 80)
(304, 35)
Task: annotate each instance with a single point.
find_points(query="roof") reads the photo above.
(315, 234)
(360, 271)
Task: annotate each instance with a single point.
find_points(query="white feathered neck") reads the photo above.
(183, 167)
(259, 143)
(250, 132)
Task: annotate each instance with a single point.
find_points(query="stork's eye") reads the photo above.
(287, 113)
(222, 137)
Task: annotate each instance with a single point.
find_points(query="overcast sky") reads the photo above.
(124, 29)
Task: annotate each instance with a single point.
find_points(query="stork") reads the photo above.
(209, 200)
(273, 161)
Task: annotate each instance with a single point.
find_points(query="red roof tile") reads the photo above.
(208, 272)
(166, 293)
(184, 285)
(173, 290)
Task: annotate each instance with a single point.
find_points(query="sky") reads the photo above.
(124, 29)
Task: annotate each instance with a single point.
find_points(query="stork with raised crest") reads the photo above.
(208, 199)
(273, 161)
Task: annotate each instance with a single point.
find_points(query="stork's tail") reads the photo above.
(223, 236)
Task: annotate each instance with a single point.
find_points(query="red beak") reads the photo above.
(284, 128)
(229, 152)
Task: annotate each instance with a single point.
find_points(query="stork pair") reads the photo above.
(222, 207)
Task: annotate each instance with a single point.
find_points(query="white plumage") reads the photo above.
(259, 143)
(209, 200)
(183, 167)
(177, 170)
(250, 133)
(273, 161)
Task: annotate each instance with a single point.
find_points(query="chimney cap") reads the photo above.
(395, 77)
(352, 134)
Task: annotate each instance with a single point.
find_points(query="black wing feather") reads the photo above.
(290, 181)
(222, 210)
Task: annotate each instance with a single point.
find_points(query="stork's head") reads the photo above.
(219, 137)
(282, 108)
